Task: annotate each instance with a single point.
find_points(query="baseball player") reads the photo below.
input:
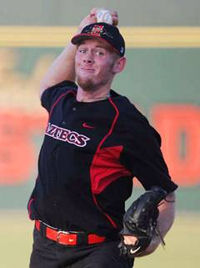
(95, 142)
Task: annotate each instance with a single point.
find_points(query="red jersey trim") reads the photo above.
(58, 99)
(107, 168)
(29, 207)
(95, 160)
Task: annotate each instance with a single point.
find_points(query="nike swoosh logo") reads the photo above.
(134, 251)
(85, 125)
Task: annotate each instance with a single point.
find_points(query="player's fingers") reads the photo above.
(130, 240)
(114, 13)
(115, 21)
(115, 17)
(91, 18)
(93, 11)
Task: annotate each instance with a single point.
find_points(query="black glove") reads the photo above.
(140, 221)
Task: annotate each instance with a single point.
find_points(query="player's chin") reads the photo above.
(86, 84)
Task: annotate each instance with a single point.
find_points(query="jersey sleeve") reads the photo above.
(143, 156)
(50, 95)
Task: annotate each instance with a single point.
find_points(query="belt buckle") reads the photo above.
(59, 233)
(79, 239)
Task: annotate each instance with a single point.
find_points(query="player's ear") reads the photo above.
(119, 65)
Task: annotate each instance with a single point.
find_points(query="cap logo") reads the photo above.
(121, 50)
(104, 31)
(97, 30)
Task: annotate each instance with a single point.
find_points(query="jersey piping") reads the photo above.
(96, 157)
(58, 99)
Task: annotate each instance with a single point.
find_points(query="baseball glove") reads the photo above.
(140, 221)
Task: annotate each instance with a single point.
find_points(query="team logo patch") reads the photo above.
(97, 30)
(66, 135)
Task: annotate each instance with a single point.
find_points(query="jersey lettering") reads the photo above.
(66, 135)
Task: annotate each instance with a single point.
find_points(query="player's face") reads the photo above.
(94, 63)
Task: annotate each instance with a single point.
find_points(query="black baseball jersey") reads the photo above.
(90, 153)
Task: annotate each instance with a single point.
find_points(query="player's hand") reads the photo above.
(91, 18)
(115, 18)
(130, 240)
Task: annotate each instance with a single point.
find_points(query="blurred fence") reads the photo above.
(161, 78)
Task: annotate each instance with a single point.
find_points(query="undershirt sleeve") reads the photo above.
(143, 157)
(50, 95)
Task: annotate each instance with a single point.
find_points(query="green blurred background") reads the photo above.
(161, 78)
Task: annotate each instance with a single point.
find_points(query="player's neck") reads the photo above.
(91, 96)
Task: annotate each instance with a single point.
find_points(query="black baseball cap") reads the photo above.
(103, 31)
